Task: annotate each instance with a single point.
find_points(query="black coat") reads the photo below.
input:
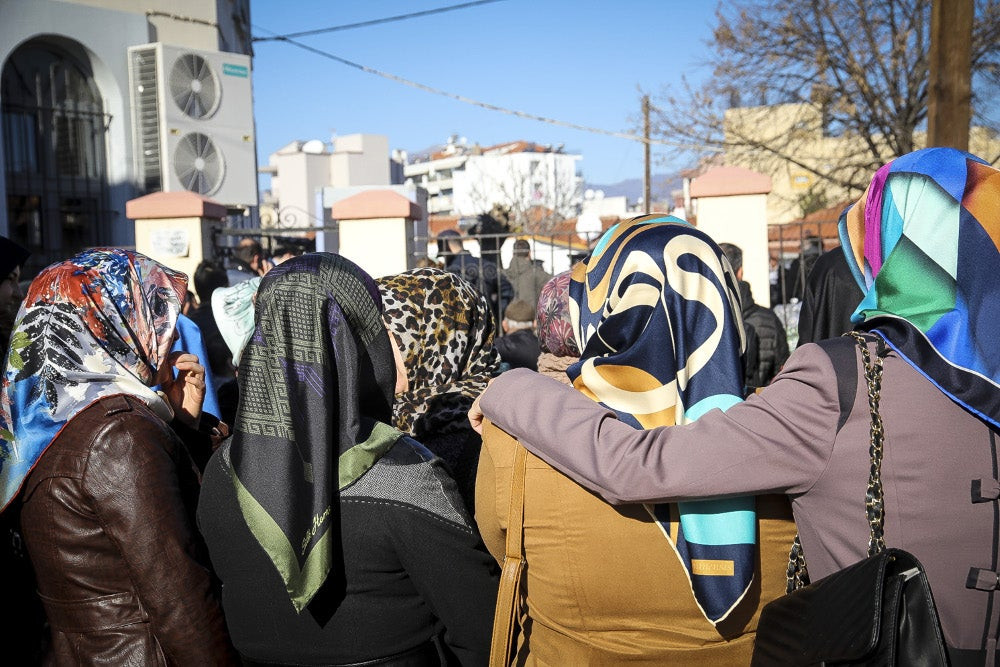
(485, 277)
(412, 566)
(832, 295)
(772, 342)
(519, 349)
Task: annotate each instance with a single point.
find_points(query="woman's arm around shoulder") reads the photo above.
(778, 441)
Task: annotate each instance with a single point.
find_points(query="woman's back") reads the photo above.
(938, 470)
(409, 562)
(603, 586)
(921, 243)
(655, 310)
(338, 539)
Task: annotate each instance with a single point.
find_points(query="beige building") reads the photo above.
(378, 230)
(300, 171)
(800, 128)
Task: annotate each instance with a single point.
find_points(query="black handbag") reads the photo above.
(879, 611)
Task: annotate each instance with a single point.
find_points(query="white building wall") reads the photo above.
(518, 180)
(360, 159)
(193, 23)
(103, 30)
(104, 36)
(300, 176)
(607, 206)
(437, 178)
(742, 221)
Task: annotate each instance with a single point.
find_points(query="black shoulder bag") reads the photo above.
(877, 611)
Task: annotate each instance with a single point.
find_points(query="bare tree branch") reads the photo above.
(832, 87)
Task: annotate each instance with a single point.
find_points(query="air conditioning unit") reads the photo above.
(192, 118)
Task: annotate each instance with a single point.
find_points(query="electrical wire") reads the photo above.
(497, 108)
(365, 24)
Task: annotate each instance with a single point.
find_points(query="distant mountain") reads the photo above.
(660, 187)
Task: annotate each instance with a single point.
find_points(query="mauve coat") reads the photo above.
(939, 470)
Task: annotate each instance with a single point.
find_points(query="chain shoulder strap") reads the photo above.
(797, 575)
(874, 497)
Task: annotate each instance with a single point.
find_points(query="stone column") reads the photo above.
(175, 228)
(377, 230)
(731, 205)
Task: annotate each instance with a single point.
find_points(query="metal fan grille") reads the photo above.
(193, 86)
(198, 164)
(146, 110)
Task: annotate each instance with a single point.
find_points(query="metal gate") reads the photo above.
(55, 152)
(57, 191)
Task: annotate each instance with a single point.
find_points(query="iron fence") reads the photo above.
(55, 169)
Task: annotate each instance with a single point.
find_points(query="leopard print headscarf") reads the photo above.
(445, 332)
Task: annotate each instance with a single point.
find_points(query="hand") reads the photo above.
(186, 392)
(219, 433)
(476, 415)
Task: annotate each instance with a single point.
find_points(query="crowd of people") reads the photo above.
(297, 464)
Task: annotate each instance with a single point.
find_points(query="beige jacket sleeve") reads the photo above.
(778, 441)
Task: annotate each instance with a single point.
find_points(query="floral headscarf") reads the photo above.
(656, 309)
(445, 331)
(95, 325)
(555, 327)
(923, 245)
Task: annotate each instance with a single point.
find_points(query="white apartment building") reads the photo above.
(468, 180)
(106, 100)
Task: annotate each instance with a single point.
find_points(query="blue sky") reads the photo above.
(580, 61)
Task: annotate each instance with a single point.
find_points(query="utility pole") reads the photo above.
(645, 148)
(950, 90)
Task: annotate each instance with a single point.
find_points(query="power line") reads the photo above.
(365, 24)
(494, 107)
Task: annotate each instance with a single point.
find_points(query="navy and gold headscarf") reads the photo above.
(656, 312)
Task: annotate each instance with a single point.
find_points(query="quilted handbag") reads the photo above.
(879, 611)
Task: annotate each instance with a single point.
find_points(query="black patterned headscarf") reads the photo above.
(445, 330)
(316, 384)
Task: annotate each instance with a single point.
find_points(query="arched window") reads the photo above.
(55, 155)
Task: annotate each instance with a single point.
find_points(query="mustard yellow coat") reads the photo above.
(602, 585)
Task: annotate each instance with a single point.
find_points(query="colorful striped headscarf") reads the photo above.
(95, 325)
(923, 244)
(657, 311)
(316, 383)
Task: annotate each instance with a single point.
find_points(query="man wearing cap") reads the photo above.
(518, 347)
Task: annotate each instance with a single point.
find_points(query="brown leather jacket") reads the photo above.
(108, 520)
